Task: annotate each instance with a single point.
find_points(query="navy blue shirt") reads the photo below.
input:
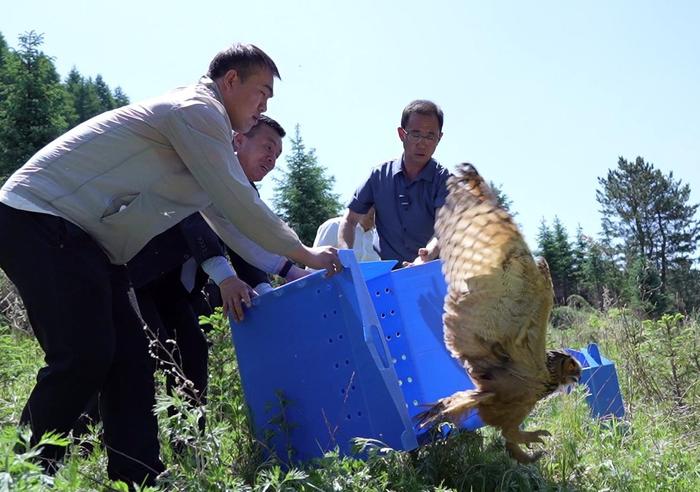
(405, 210)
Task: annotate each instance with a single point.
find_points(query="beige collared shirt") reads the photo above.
(129, 174)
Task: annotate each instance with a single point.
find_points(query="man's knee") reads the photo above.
(91, 363)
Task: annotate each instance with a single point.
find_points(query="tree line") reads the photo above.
(36, 106)
(646, 257)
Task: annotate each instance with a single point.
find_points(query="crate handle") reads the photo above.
(376, 344)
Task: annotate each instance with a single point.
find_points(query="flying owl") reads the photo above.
(496, 310)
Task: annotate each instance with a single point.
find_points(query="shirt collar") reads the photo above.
(426, 174)
(211, 85)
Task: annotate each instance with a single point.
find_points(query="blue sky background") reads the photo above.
(541, 96)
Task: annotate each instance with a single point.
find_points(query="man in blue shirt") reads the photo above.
(405, 192)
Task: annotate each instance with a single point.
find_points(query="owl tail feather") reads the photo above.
(452, 408)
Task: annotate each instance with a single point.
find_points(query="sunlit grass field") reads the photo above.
(655, 447)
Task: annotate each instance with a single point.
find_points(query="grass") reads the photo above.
(655, 447)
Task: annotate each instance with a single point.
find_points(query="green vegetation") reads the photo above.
(36, 107)
(647, 255)
(654, 447)
(633, 291)
(304, 196)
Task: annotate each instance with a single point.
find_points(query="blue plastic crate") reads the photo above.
(316, 371)
(599, 375)
(409, 304)
(323, 361)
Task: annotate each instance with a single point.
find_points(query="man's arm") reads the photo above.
(201, 135)
(346, 231)
(209, 254)
(324, 258)
(430, 252)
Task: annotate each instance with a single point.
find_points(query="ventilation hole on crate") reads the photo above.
(393, 361)
(352, 387)
(388, 337)
(325, 315)
(387, 290)
(398, 334)
(400, 383)
(348, 416)
(318, 291)
(415, 403)
(335, 312)
(403, 357)
(409, 379)
(342, 391)
(392, 312)
(347, 362)
(330, 340)
(340, 337)
(337, 366)
(383, 315)
(377, 293)
(359, 414)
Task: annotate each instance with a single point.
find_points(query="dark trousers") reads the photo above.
(83, 314)
(165, 306)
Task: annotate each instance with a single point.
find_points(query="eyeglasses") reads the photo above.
(404, 200)
(415, 136)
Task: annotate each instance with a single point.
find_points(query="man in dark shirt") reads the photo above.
(405, 192)
(167, 293)
(258, 151)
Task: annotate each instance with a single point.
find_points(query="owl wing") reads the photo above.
(496, 291)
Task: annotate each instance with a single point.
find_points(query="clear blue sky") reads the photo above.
(541, 96)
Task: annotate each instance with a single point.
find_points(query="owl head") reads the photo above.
(563, 368)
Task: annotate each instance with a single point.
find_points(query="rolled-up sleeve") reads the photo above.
(250, 251)
(201, 136)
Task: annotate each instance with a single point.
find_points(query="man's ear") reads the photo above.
(238, 140)
(401, 132)
(231, 77)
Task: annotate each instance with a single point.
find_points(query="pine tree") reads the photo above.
(646, 215)
(684, 282)
(4, 51)
(555, 247)
(120, 98)
(502, 199)
(104, 94)
(644, 288)
(84, 92)
(579, 249)
(564, 260)
(304, 197)
(597, 273)
(32, 103)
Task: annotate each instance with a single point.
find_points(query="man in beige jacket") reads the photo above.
(86, 203)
